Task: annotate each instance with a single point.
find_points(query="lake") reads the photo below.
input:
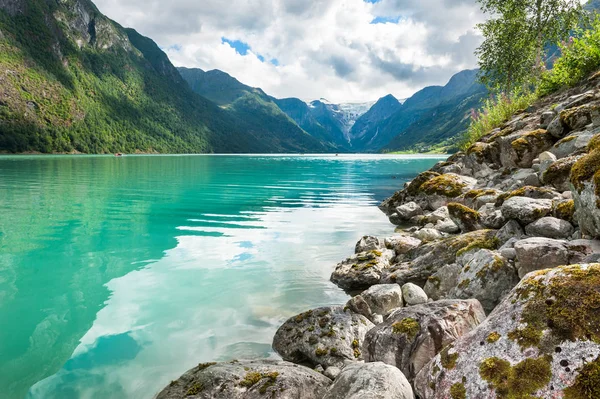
(119, 274)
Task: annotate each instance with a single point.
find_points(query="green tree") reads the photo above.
(516, 35)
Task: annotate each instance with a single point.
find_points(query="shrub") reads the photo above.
(580, 57)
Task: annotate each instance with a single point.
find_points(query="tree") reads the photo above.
(515, 37)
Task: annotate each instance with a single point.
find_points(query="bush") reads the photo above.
(580, 57)
(495, 112)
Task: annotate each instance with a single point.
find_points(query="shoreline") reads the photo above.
(491, 239)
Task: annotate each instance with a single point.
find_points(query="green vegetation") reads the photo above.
(458, 391)
(495, 112)
(519, 381)
(448, 360)
(587, 382)
(409, 327)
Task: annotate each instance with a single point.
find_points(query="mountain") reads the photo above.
(72, 80)
(364, 133)
(432, 117)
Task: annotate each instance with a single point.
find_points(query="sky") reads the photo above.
(340, 50)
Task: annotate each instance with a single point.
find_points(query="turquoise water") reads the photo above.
(118, 274)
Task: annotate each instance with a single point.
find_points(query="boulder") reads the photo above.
(442, 189)
(487, 277)
(491, 217)
(550, 227)
(539, 253)
(413, 294)
(410, 192)
(526, 210)
(441, 282)
(377, 300)
(529, 146)
(557, 174)
(411, 337)
(572, 144)
(565, 210)
(332, 372)
(248, 380)
(368, 243)
(540, 342)
(402, 244)
(370, 381)
(585, 179)
(407, 211)
(362, 270)
(579, 117)
(546, 118)
(512, 229)
(447, 226)
(425, 260)
(464, 217)
(327, 336)
(428, 234)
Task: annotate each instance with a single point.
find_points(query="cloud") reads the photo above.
(343, 50)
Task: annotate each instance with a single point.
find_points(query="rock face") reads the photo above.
(362, 270)
(370, 381)
(541, 253)
(487, 277)
(541, 342)
(326, 336)
(526, 210)
(412, 336)
(248, 380)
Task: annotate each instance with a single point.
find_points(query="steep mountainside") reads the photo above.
(73, 80)
(432, 117)
(253, 105)
(369, 122)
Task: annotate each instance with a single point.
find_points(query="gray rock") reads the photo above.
(550, 227)
(488, 277)
(412, 336)
(556, 129)
(368, 243)
(332, 372)
(409, 210)
(557, 175)
(587, 205)
(526, 210)
(440, 214)
(413, 294)
(326, 336)
(532, 180)
(248, 380)
(508, 253)
(536, 343)
(370, 381)
(428, 234)
(362, 270)
(402, 244)
(539, 253)
(572, 144)
(441, 282)
(546, 159)
(319, 369)
(464, 217)
(546, 118)
(491, 217)
(512, 229)
(447, 226)
(383, 298)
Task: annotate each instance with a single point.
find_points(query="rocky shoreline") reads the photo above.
(489, 288)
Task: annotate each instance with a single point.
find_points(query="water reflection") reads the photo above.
(128, 273)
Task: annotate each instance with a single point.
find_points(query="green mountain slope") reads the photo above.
(254, 107)
(73, 80)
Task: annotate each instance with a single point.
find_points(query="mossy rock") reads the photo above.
(528, 192)
(558, 174)
(414, 188)
(530, 146)
(542, 341)
(565, 210)
(448, 185)
(465, 218)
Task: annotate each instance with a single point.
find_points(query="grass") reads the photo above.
(495, 112)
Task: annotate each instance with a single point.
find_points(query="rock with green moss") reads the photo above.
(465, 218)
(440, 283)
(573, 144)
(558, 174)
(370, 380)
(410, 337)
(542, 341)
(444, 189)
(585, 181)
(327, 336)
(362, 270)
(580, 117)
(248, 380)
(529, 146)
(427, 259)
(487, 277)
(405, 195)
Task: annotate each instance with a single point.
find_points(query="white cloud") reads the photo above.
(325, 48)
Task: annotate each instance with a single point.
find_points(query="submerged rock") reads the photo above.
(412, 336)
(370, 381)
(327, 336)
(542, 341)
(248, 380)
